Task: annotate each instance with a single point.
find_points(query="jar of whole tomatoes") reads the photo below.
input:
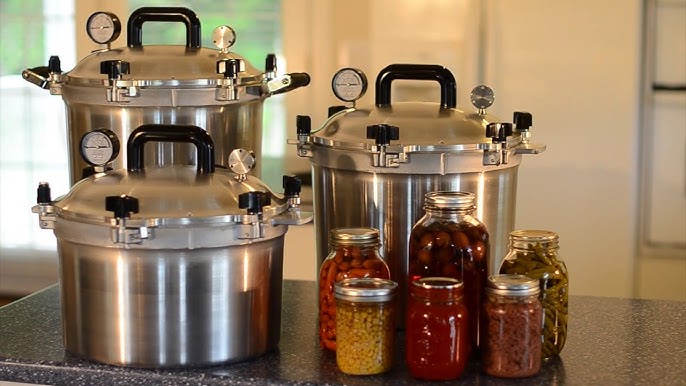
(365, 325)
(535, 253)
(436, 336)
(354, 253)
(448, 241)
(512, 327)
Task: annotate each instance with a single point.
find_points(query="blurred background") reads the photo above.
(598, 78)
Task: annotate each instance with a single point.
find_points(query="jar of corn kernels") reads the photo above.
(365, 325)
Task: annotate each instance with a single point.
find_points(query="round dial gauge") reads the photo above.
(349, 84)
(103, 27)
(482, 97)
(99, 147)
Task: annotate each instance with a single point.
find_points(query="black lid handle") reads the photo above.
(170, 133)
(416, 72)
(163, 14)
(121, 206)
(253, 202)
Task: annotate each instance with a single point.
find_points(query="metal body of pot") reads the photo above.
(372, 166)
(170, 266)
(119, 89)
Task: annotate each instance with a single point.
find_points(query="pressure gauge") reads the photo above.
(103, 27)
(99, 147)
(349, 84)
(482, 97)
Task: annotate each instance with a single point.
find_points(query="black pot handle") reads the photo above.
(134, 27)
(416, 72)
(170, 133)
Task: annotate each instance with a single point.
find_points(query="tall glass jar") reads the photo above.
(354, 253)
(535, 253)
(512, 327)
(436, 337)
(365, 325)
(448, 241)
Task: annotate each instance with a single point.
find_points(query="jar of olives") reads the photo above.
(448, 241)
(436, 346)
(354, 253)
(535, 253)
(365, 325)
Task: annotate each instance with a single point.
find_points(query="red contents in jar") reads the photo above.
(437, 341)
(456, 250)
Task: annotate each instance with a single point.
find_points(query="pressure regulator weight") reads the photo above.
(103, 27)
(99, 147)
(349, 84)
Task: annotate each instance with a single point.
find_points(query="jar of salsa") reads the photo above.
(535, 253)
(448, 241)
(512, 327)
(365, 325)
(436, 336)
(354, 253)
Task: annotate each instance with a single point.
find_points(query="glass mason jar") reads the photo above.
(354, 253)
(512, 327)
(436, 335)
(535, 253)
(448, 241)
(365, 325)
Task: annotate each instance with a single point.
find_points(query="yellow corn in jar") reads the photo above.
(365, 325)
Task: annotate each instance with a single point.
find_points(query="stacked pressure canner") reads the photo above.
(414, 216)
(171, 247)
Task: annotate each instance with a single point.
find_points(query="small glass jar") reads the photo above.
(436, 336)
(354, 253)
(535, 253)
(365, 325)
(512, 327)
(448, 241)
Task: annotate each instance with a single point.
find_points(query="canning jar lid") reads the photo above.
(438, 200)
(524, 238)
(512, 285)
(439, 283)
(354, 236)
(365, 290)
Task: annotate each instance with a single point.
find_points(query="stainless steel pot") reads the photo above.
(174, 265)
(371, 166)
(119, 89)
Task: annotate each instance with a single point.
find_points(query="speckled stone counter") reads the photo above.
(611, 342)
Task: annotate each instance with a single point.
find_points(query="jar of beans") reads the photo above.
(535, 253)
(365, 325)
(448, 241)
(437, 343)
(354, 253)
(512, 327)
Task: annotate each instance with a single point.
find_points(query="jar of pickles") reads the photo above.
(354, 253)
(436, 337)
(448, 241)
(511, 341)
(365, 325)
(535, 253)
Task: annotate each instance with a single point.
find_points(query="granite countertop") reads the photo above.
(611, 341)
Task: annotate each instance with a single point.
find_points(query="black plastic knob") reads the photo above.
(114, 68)
(270, 63)
(253, 202)
(522, 120)
(43, 196)
(54, 64)
(292, 185)
(334, 109)
(229, 67)
(499, 131)
(303, 125)
(383, 134)
(122, 206)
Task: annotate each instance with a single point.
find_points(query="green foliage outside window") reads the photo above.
(21, 41)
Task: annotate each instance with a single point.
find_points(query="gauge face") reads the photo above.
(103, 27)
(349, 84)
(99, 147)
(482, 97)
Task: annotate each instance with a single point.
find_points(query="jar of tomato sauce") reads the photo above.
(436, 338)
(354, 253)
(449, 241)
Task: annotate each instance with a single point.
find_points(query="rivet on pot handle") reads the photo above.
(433, 72)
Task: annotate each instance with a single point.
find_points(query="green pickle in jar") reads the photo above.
(535, 253)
